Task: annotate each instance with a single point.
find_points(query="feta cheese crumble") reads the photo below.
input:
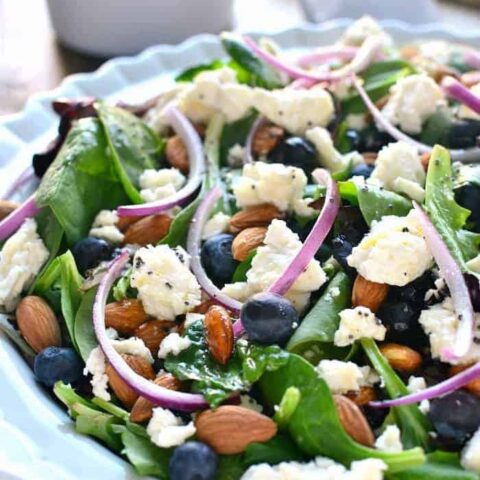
(159, 184)
(247, 401)
(357, 323)
(217, 224)
(166, 286)
(394, 252)
(173, 344)
(105, 226)
(166, 430)
(389, 441)
(363, 28)
(21, 258)
(235, 156)
(470, 458)
(415, 385)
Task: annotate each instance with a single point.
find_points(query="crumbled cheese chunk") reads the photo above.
(468, 113)
(302, 207)
(166, 430)
(95, 365)
(215, 225)
(412, 101)
(474, 264)
(235, 156)
(394, 252)
(363, 28)
(343, 377)
(159, 184)
(133, 346)
(416, 384)
(470, 458)
(191, 318)
(21, 258)
(357, 323)
(105, 226)
(398, 168)
(173, 344)
(357, 121)
(165, 284)
(247, 401)
(274, 183)
(389, 440)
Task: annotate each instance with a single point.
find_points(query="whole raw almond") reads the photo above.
(125, 316)
(401, 358)
(38, 324)
(473, 386)
(266, 138)
(368, 294)
(353, 421)
(246, 241)
(229, 429)
(125, 393)
(365, 395)
(148, 230)
(142, 409)
(124, 222)
(219, 333)
(6, 208)
(153, 332)
(176, 154)
(257, 216)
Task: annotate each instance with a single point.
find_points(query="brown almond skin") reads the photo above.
(229, 429)
(125, 316)
(469, 79)
(125, 222)
(142, 409)
(219, 333)
(6, 208)
(257, 216)
(473, 386)
(246, 241)
(38, 324)
(126, 394)
(364, 396)
(148, 230)
(370, 157)
(266, 138)
(353, 421)
(424, 159)
(153, 332)
(401, 358)
(204, 306)
(176, 154)
(368, 294)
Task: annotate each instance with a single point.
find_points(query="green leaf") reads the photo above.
(279, 449)
(189, 74)
(81, 180)
(230, 467)
(111, 408)
(240, 273)
(50, 231)
(313, 339)
(122, 288)
(46, 278)
(14, 335)
(85, 338)
(235, 133)
(436, 128)
(287, 406)
(67, 395)
(258, 359)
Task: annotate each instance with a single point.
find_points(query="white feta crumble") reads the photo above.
(412, 101)
(166, 430)
(273, 183)
(191, 318)
(95, 365)
(398, 168)
(389, 441)
(217, 224)
(343, 377)
(173, 344)
(357, 121)
(133, 346)
(474, 264)
(438, 291)
(416, 384)
(335, 292)
(363, 28)
(247, 401)
(105, 226)
(235, 156)
(159, 184)
(470, 458)
(21, 258)
(468, 113)
(357, 323)
(394, 252)
(166, 286)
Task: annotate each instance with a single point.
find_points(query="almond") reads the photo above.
(363, 396)
(473, 386)
(266, 138)
(176, 154)
(142, 409)
(124, 222)
(204, 306)
(370, 157)
(229, 429)
(424, 159)
(38, 324)
(368, 294)
(125, 315)
(148, 230)
(401, 358)
(257, 216)
(219, 333)
(6, 208)
(153, 332)
(246, 241)
(409, 51)
(125, 393)
(469, 79)
(353, 421)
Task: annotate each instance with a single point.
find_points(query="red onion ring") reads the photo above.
(27, 175)
(454, 89)
(471, 57)
(13, 222)
(193, 143)
(326, 54)
(248, 156)
(156, 394)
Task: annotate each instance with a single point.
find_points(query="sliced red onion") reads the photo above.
(451, 273)
(27, 175)
(259, 122)
(193, 143)
(156, 394)
(301, 83)
(472, 58)
(326, 54)
(454, 89)
(364, 56)
(13, 222)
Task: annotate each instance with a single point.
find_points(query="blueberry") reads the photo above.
(414, 292)
(375, 416)
(474, 289)
(354, 139)
(217, 259)
(351, 224)
(362, 170)
(193, 461)
(373, 140)
(89, 252)
(295, 151)
(463, 133)
(269, 318)
(341, 249)
(468, 196)
(56, 363)
(455, 417)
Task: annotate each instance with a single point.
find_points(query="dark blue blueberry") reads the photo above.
(474, 290)
(468, 196)
(269, 318)
(375, 416)
(217, 259)
(455, 417)
(373, 140)
(463, 133)
(295, 151)
(362, 170)
(89, 252)
(57, 363)
(354, 139)
(351, 224)
(414, 292)
(193, 461)
(341, 249)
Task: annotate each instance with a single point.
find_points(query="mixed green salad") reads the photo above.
(269, 271)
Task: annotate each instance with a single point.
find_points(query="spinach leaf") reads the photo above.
(50, 231)
(67, 395)
(413, 424)
(374, 202)
(313, 339)
(81, 181)
(287, 406)
(235, 133)
(230, 467)
(279, 449)
(315, 426)
(240, 273)
(436, 128)
(134, 146)
(84, 334)
(181, 223)
(189, 74)
(14, 335)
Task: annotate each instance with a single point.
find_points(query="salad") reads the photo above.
(269, 271)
